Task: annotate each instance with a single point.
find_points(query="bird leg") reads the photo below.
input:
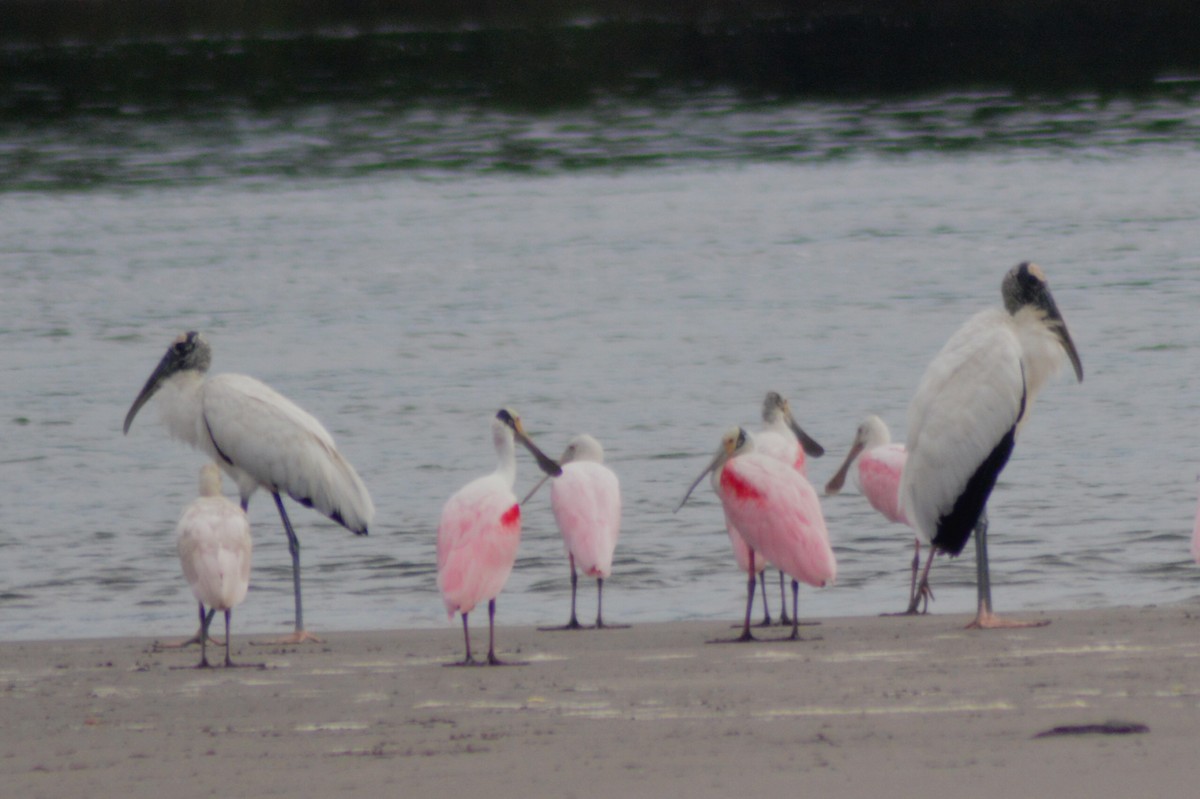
(492, 660)
(985, 619)
(195, 639)
(766, 622)
(783, 614)
(208, 617)
(228, 661)
(600, 625)
(573, 624)
(920, 593)
(795, 636)
(300, 635)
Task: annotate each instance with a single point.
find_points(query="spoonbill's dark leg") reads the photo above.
(228, 661)
(783, 615)
(207, 620)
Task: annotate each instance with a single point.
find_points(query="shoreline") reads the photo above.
(906, 706)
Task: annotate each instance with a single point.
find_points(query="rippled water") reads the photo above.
(642, 275)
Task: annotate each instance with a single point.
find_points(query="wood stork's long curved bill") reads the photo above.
(181, 356)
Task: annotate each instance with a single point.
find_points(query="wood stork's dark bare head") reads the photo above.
(1025, 287)
(188, 352)
(510, 419)
(776, 407)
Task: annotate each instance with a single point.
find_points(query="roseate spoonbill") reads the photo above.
(260, 439)
(880, 462)
(480, 529)
(783, 439)
(776, 511)
(213, 539)
(586, 500)
(967, 412)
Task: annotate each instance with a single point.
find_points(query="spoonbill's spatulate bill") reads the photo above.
(213, 539)
(479, 532)
(967, 412)
(259, 438)
(776, 511)
(586, 500)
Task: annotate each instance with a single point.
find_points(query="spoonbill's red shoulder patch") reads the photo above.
(511, 517)
(737, 487)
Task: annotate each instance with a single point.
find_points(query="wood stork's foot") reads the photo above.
(298, 637)
(986, 620)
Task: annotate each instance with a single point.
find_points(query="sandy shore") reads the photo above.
(892, 707)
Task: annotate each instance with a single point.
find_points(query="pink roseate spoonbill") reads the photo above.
(260, 439)
(776, 511)
(880, 462)
(213, 539)
(479, 532)
(586, 500)
(967, 412)
(781, 438)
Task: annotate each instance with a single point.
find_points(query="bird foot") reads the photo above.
(492, 660)
(602, 626)
(745, 637)
(298, 637)
(986, 620)
(573, 624)
(158, 646)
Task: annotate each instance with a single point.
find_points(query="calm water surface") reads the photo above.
(645, 287)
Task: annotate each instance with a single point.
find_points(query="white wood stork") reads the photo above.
(260, 438)
(213, 540)
(967, 412)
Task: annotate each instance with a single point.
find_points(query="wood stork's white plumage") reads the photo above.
(880, 463)
(260, 439)
(776, 511)
(213, 540)
(781, 438)
(480, 530)
(586, 501)
(967, 411)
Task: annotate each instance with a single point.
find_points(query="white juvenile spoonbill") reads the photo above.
(783, 439)
(776, 511)
(968, 409)
(213, 539)
(586, 500)
(880, 463)
(479, 532)
(260, 439)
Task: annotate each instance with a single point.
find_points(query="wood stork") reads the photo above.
(783, 439)
(213, 539)
(260, 439)
(776, 511)
(586, 501)
(479, 532)
(880, 463)
(968, 409)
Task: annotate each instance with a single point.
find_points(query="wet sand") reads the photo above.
(896, 707)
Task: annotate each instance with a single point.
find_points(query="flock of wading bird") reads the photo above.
(962, 424)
